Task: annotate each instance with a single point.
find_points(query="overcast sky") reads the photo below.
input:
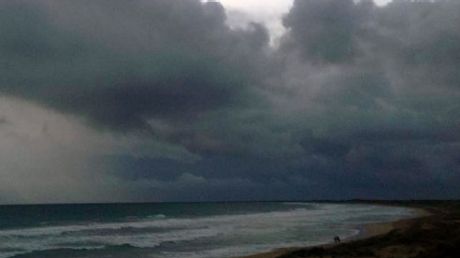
(185, 100)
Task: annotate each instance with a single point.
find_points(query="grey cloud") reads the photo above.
(327, 30)
(401, 74)
(378, 106)
(119, 65)
(358, 101)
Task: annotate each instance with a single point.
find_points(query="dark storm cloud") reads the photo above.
(375, 91)
(388, 163)
(403, 70)
(327, 30)
(358, 100)
(119, 65)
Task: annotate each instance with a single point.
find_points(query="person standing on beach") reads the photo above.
(337, 239)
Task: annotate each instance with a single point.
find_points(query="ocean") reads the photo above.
(172, 230)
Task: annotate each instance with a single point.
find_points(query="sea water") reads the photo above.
(173, 230)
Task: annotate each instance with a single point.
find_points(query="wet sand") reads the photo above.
(434, 233)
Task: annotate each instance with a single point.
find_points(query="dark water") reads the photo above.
(21, 216)
(177, 229)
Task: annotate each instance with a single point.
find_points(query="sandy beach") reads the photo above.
(435, 232)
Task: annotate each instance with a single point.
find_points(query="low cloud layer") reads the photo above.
(356, 101)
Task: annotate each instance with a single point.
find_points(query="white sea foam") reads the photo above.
(211, 236)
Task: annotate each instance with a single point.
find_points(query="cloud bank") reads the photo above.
(162, 100)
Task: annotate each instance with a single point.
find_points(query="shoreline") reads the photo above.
(366, 231)
(381, 228)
